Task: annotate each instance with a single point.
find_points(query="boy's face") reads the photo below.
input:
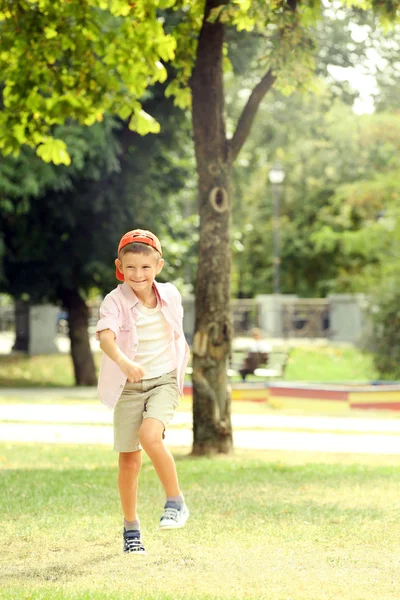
(140, 270)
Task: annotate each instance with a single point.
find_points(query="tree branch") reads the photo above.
(249, 112)
(212, 4)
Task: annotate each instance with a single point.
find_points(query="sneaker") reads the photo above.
(175, 515)
(132, 542)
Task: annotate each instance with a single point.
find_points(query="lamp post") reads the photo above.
(276, 177)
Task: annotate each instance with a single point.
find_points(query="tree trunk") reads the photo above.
(215, 156)
(21, 343)
(78, 324)
(213, 330)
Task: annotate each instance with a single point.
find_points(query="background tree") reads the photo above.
(323, 145)
(50, 243)
(61, 231)
(341, 173)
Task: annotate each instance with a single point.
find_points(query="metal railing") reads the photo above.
(245, 315)
(301, 318)
(306, 318)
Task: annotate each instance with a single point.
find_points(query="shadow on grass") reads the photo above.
(60, 572)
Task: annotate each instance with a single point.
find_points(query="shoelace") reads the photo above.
(134, 544)
(170, 513)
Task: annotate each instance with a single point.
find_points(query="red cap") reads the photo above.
(138, 236)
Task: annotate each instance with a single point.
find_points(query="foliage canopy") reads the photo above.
(68, 59)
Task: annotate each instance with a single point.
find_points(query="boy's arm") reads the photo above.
(133, 371)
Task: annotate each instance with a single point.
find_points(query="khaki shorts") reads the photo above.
(155, 398)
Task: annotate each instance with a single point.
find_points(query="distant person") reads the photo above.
(141, 374)
(258, 354)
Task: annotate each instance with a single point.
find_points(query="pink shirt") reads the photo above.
(119, 312)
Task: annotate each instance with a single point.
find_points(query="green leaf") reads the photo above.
(120, 8)
(162, 72)
(144, 123)
(50, 33)
(55, 151)
(166, 47)
(125, 112)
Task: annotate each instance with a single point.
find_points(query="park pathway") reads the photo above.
(91, 423)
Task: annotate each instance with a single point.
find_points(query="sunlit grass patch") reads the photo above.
(330, 364)
(262, 525)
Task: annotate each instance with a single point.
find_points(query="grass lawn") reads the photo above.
(55, 370)
(330, 363)
(306, 363)
(264, 525)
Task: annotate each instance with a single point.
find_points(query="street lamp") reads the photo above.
(276, 177)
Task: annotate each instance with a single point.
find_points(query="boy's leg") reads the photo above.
(128, 476)
(127, 420)
(151, 439)
(162, 401)
(176, 512)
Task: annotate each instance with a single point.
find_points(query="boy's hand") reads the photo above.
(133, 371)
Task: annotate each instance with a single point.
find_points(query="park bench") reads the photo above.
(273, 369)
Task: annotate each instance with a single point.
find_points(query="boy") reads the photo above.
(141, 375)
